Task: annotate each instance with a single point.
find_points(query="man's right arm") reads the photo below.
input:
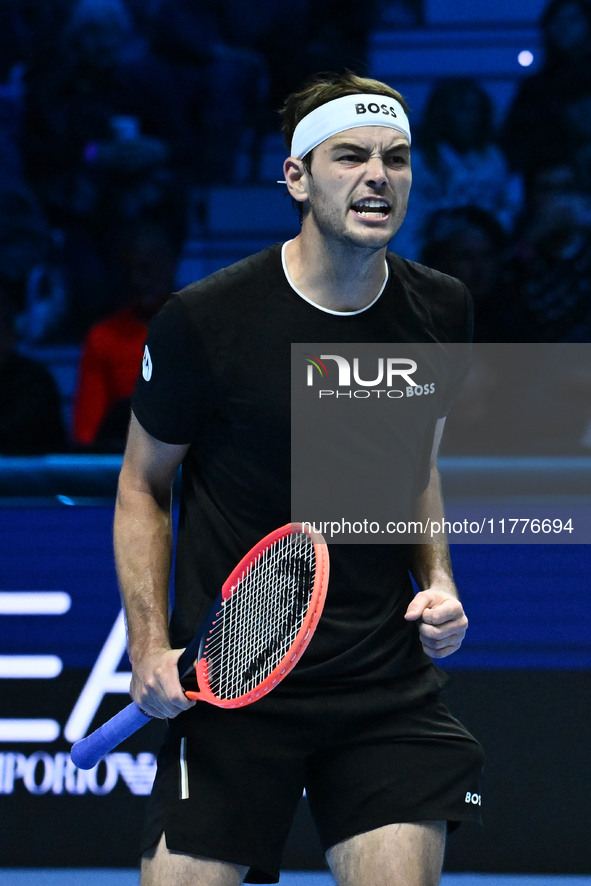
(143, 555)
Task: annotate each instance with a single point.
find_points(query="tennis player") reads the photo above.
(359, 722)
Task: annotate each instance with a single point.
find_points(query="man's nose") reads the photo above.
(376, 171)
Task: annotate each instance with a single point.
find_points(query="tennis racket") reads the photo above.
(256, 632)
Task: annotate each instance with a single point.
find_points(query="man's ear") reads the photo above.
(296, 179)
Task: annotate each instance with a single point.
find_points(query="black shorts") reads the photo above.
(228, 782)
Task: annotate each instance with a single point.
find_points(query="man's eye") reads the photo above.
(350, 158)
(397, 160)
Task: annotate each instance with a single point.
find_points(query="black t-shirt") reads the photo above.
(217, 375)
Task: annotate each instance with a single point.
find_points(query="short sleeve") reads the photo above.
(170, 399)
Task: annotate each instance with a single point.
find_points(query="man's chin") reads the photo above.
(376, 237)
(373, 239)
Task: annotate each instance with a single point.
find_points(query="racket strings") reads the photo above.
(260, 621)
(252, 611)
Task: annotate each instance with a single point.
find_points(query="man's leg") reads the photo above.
(162, 867)
(394, 855)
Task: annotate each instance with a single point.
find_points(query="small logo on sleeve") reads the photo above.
(147, 364)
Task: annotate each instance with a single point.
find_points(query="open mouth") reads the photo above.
(372, 207)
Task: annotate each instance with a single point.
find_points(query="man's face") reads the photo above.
(357, 191)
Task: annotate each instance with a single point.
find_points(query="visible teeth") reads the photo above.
(370, 205)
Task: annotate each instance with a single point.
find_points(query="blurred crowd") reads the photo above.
(113, 111)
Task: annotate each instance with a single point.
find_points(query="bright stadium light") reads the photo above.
(525, 58)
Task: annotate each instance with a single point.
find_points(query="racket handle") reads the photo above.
(87, 752)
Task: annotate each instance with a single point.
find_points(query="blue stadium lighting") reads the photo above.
(66, 500)
(525, 58)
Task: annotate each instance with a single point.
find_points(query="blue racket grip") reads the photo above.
(87, 752)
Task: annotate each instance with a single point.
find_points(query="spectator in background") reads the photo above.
(112, 351)
(142, 13)
(13, 51)
(98, 143)
(469, 243)
(24, 239)
(219, 76)
(543, 124)
(457, 162)
(549, 268)
(31, 422)
(539, 294)
(234, 65)
(324, 38)
(25, 236)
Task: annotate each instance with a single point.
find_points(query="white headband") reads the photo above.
(347, 112)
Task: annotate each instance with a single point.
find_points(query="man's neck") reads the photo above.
(338, 280)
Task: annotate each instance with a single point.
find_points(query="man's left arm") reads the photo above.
(436, 606)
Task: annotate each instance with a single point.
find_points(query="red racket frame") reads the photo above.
(303, 636)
